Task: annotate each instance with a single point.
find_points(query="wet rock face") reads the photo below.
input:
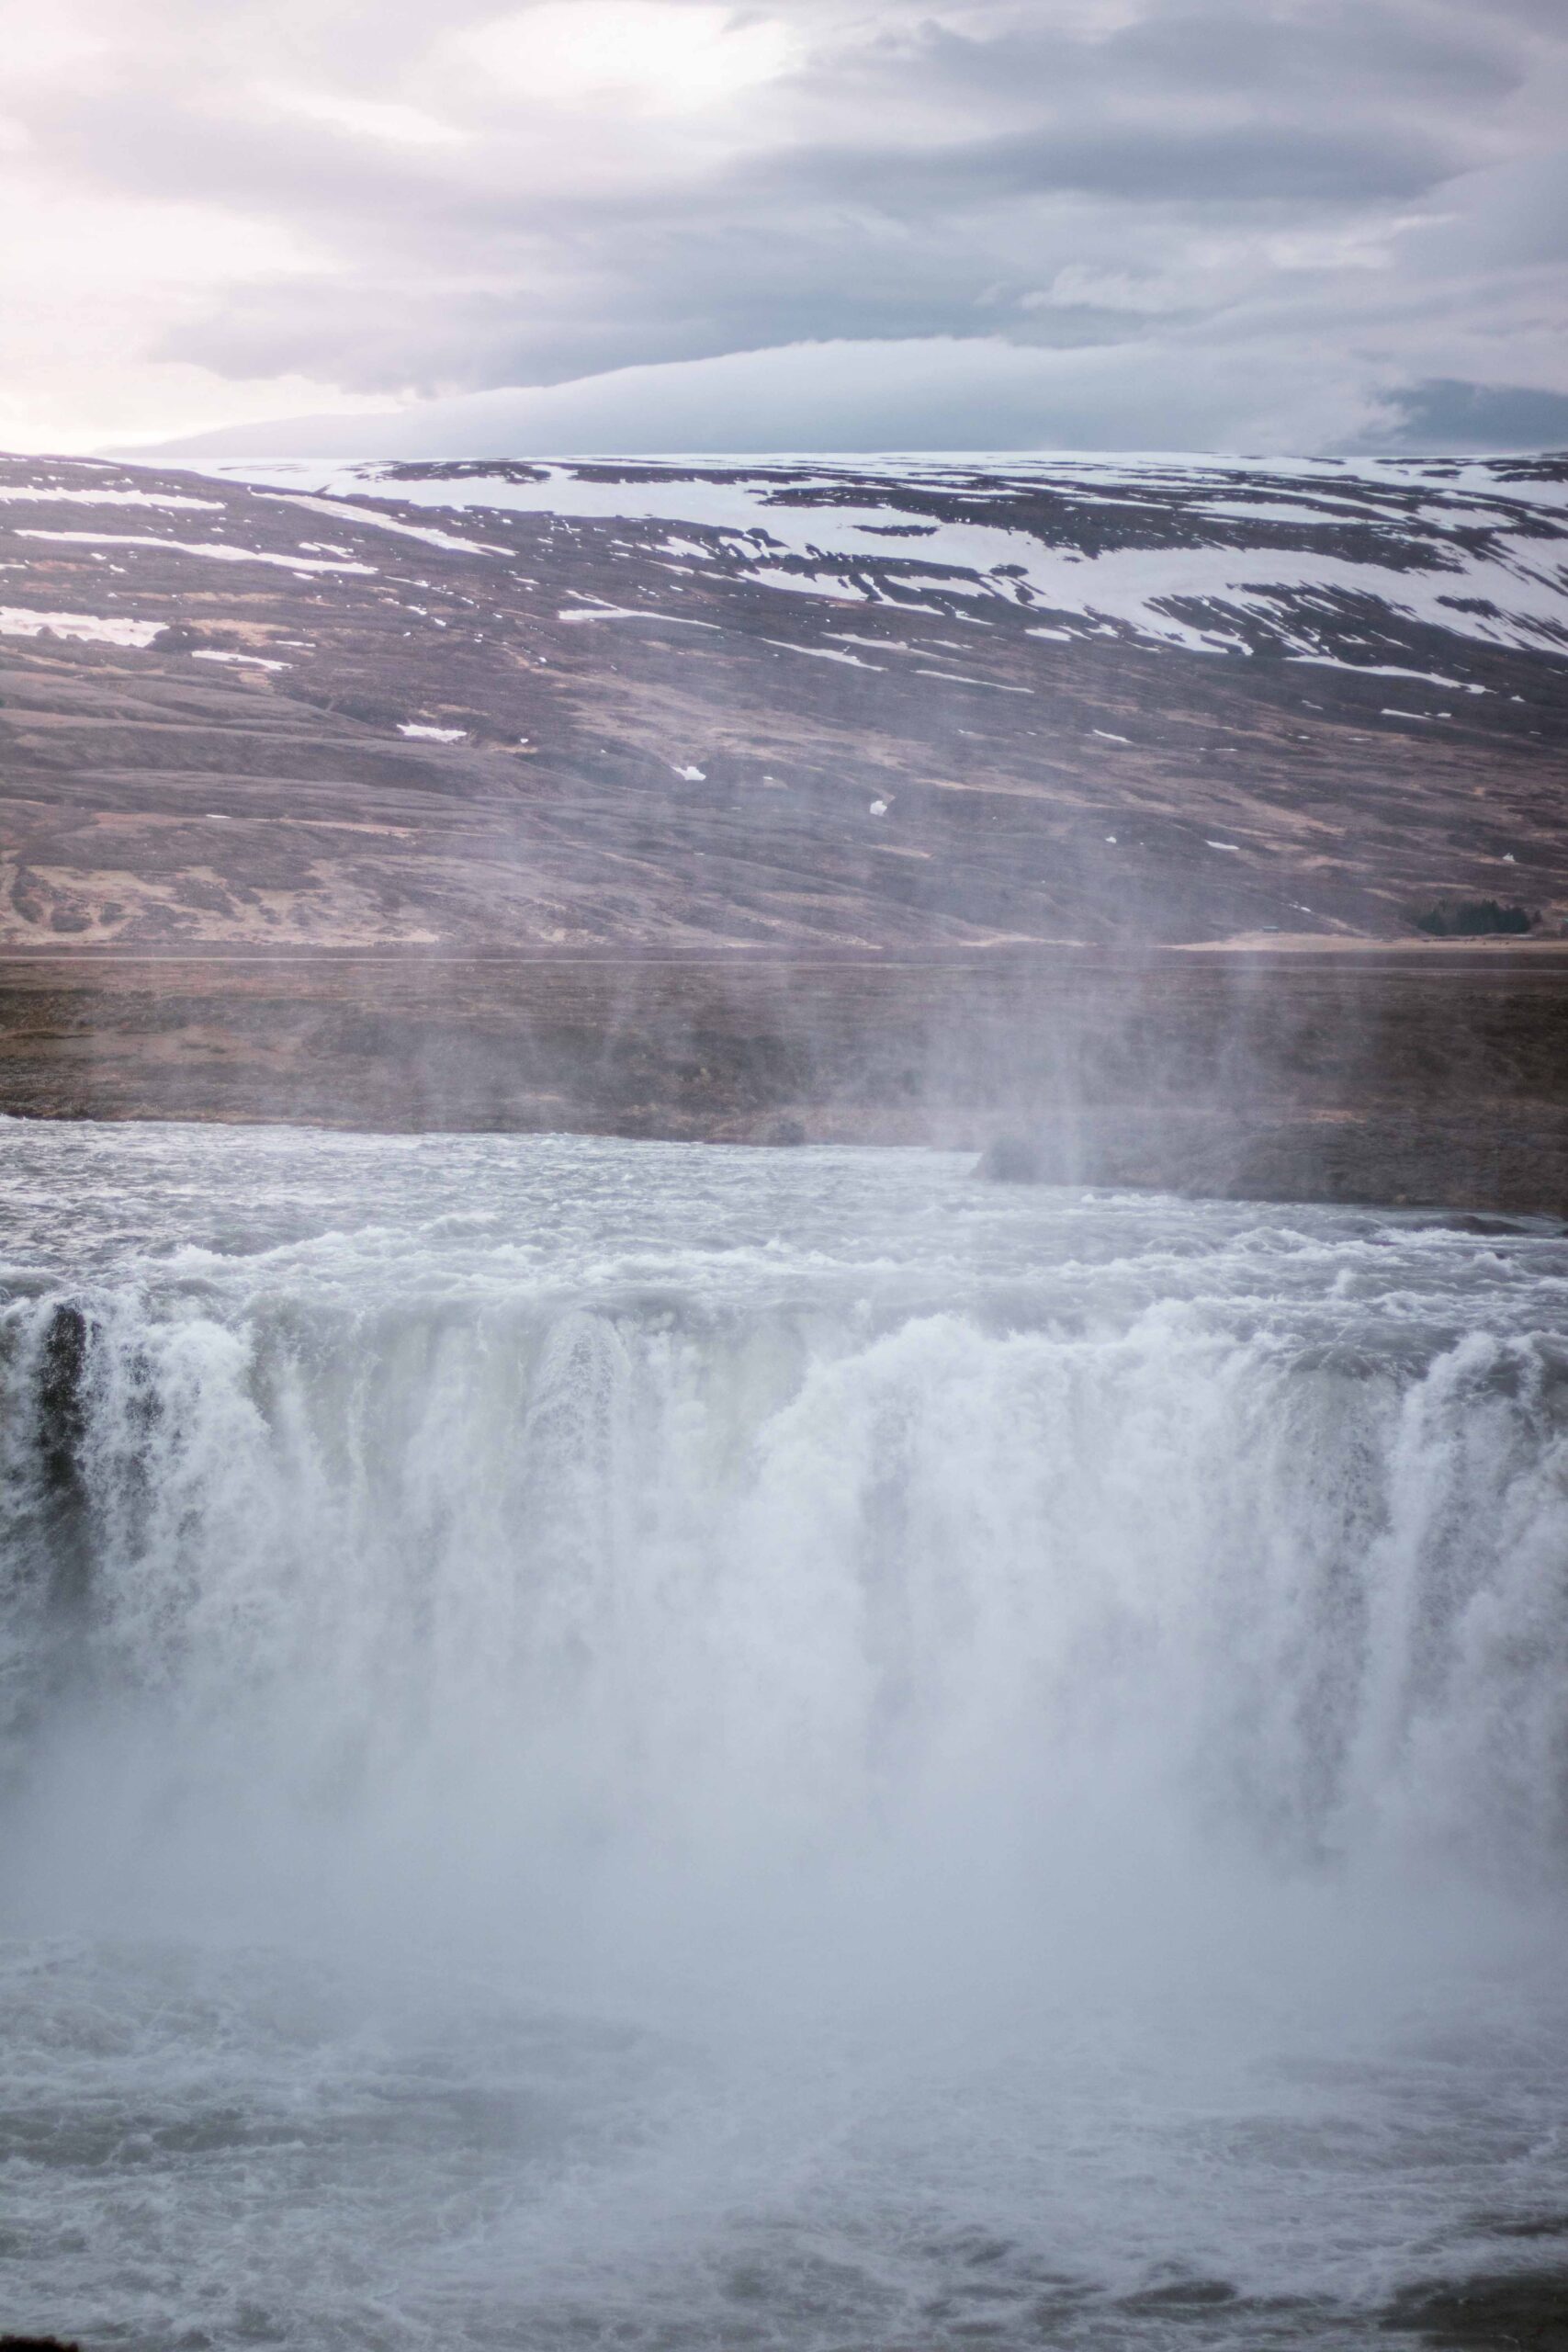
(61, 1413)
(1017, 1159)
(1513, 1163)
(59, 1541)
(1528, 2311)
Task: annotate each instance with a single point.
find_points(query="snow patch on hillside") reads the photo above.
(1477, 549)
(89, 628)
(218, 549)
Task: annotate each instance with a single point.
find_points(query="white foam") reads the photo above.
(682, 1746)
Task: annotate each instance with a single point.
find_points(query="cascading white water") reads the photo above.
(603, 1723)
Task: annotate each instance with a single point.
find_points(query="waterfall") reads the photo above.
(675, 1575)
(630, 1743)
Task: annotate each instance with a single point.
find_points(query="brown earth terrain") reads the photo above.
(682, 845)
(1432, 1078)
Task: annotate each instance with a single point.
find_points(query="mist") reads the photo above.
(721, 1737)
(784, 1367)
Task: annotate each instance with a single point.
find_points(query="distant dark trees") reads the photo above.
(1472, 919)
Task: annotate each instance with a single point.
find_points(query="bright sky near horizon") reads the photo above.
(1278, 224)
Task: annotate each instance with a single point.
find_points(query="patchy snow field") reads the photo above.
(88, 628)
(1203, 554)
(219, 549)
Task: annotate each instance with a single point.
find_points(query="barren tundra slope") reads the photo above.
(808, 707)
(902, 800)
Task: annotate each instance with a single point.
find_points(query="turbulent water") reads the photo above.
(650, 1746)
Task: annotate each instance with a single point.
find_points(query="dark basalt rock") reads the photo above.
(61, 1421)
(1476, 1222)
(1179, 2295)
(61, 1428)
(60, 1397)
(1486, 2313)
(1013, 1159)
(1486, 1174)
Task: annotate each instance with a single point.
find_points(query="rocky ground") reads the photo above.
(1095, 803)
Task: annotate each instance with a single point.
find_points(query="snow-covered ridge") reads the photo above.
(1318, 556)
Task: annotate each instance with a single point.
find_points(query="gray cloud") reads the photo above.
(1244, 164)
(1350, 53)
(1347, 51)
(1445, 414)
(942, 393)
(1345, 202)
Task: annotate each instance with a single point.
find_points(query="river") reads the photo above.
(655, 1746)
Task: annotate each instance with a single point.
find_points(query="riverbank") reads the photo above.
(1425, 1075)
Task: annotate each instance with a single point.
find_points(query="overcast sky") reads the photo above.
(1264, 225)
